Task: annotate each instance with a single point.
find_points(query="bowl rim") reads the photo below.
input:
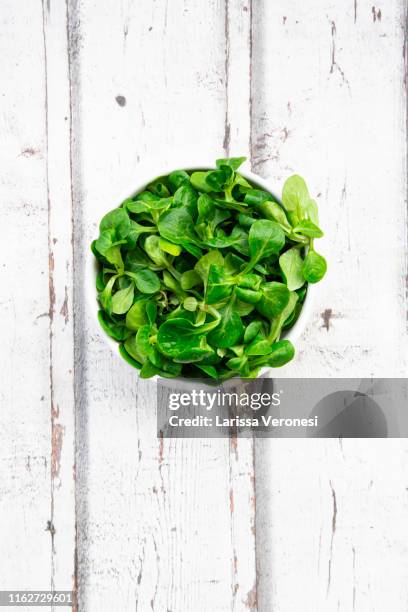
(91, 264)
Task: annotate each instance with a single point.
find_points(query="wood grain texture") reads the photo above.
(237, 137)
(96, 96)
(61, 281)
(37, 491)
(329, 103)
(337, 121)
(162, 525)
(244, 591)
(25, 399)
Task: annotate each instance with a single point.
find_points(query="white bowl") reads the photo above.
(146, 176)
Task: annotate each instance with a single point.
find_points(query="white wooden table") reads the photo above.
(90, 500)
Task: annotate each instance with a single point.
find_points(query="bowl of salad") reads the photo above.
(204, 272)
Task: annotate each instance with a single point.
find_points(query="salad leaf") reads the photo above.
(291, 264)
(202, 273)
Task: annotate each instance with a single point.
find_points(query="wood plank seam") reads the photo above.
(61, 524)
(237, 141)
(50, 290)
(56, 431)
(69, 60)
(72, 11)
(227, 125)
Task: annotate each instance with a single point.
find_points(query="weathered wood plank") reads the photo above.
(329, 104)
(149, 530)
(154, 516)
(36, 542)
(336, 121)
(60, 234)
(237, 137)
